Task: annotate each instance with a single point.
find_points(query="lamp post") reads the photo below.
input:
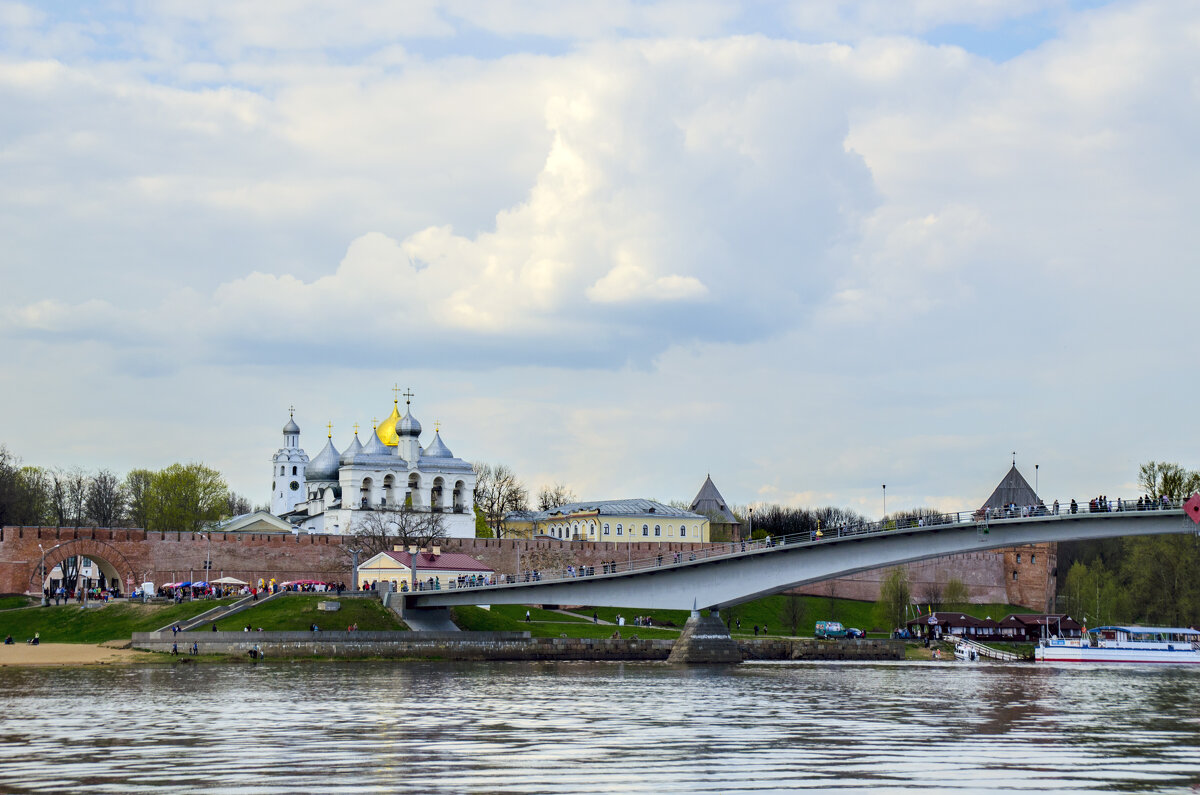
(354, 554)
(43, 583)
(884, 500)
(751, 533)
(412, 564)
(1035, 480)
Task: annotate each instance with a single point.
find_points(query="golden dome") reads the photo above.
(387, 429)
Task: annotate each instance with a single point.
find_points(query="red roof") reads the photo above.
(448, 561)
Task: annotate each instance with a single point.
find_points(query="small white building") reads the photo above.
(333, 491)
(621, 521)
(434, 569)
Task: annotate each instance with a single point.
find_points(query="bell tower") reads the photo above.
(287, 470)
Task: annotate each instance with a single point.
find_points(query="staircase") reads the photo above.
(987, 651)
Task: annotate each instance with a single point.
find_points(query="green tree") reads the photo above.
(1160, 572)
(1094, 594)
(139, 497)
(894, 598)
(186, 497)
(1164, 479)
(956, 594)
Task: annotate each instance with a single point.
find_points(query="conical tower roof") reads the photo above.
(351, 450)
(1014, 489)
(710, 502)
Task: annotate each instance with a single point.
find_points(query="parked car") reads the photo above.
(854, 632)
(830, 629)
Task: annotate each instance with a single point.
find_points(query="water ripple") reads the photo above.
(580, 727)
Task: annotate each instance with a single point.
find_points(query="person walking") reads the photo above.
(526, 616)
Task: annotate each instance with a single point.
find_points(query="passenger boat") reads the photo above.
(1129, 644)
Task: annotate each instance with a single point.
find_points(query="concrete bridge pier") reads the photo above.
(705, 639)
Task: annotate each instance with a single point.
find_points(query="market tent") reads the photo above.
(229, 581)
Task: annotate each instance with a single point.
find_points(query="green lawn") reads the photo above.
(114, 621)
(768, 611)
(298, 613)
(517, 612)
(12, 602)
(476, 619)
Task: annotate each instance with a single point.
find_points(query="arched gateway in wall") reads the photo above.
(112, 564)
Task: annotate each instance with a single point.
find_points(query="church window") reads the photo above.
(1018, 557)
(1032, 556)
(657, 530)
(683, 531)
(1014, 574)
(293, 470)
(606, 528)
(272, 485)
(619, 529)
(645, 530)
(283, 470)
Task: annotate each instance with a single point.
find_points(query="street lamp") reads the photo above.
(884, 500)
(1035, 479)
(354, 553)
(751, 533)
(43, 583)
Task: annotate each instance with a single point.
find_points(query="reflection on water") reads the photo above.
(579, 727)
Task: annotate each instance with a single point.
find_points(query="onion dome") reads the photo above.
(375, 445)
(387, 429)
(437, 448)
(325, 465)
(351, 450)
(291, 426)
(408, 425)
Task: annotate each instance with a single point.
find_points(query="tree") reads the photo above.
(139, 495)
(23, 492)
(1094, 595)
(498, 493)
(105, 499)
(793, 612)
(956, 594)
(554, 496)
(68, 496)
(1160, 572)
(380, 530)
(932, 593)
(1163, 479)
(894, 598)
(236, 504)
(186, 497)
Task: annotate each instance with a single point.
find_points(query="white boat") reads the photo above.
(1128, 644)
(964, 652)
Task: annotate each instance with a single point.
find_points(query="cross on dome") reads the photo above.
(408, 396)
(329, 427)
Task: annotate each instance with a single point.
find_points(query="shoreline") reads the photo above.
(49, 655)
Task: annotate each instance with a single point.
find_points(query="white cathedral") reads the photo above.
(330, 493)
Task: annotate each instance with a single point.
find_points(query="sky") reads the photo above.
(809, 248)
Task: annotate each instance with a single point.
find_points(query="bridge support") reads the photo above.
(705, 639)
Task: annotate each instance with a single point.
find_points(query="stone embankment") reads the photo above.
(492, 646)
(810, 649)
(407, 645)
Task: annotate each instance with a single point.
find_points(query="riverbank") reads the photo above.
(57, 654)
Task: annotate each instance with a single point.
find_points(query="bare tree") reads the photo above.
(554, 496)
(68, 496)
(793, 612)
(106, 499)
(498, 493)
(932, 593)
(236, 504)
(380, 530)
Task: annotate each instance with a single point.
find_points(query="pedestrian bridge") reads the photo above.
(726, 574)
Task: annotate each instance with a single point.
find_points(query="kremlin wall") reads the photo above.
(133, 556)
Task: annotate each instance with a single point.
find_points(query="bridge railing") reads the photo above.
(824, 535)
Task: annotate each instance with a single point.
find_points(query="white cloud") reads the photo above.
(812, 268)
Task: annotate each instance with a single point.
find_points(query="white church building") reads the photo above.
(332, 491)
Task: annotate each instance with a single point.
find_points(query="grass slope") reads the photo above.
(114, 621)
(476, 619)
(299, 613)
(13, 602)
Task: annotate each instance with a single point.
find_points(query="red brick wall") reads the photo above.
(171, 556)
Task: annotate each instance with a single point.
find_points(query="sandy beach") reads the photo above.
(70, 654)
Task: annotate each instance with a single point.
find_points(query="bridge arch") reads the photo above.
(111, 562)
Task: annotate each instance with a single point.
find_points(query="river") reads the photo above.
(299, 727)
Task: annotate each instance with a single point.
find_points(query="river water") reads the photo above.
(299, 727)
